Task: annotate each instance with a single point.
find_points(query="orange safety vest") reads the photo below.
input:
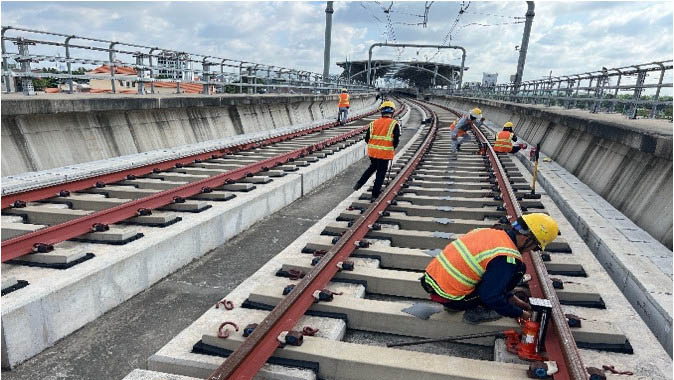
(456, 271)
(343, 100)
(504, 142)
(453, 125)
(380, 144)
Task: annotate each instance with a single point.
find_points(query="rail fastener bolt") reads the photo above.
(573, 320)
(99, 227)
(42, 248)
(64, 193)
(288, 289)
(19, 204)
(347, 265)
(293, 338)
(249, 329)
(143, 211)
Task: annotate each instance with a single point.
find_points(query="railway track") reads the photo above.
(429, 202)
(86, 210)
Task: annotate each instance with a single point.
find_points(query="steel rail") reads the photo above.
(81, 184)
(253, 353)
(560, 347)
(24, 244)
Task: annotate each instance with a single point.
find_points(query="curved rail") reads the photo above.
(247, 360)
(561, 347)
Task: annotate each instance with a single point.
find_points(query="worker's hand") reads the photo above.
(526, 315)
(519, 303)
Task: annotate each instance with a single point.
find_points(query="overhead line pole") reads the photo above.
(525, 44)
(328, 37)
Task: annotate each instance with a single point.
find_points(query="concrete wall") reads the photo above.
(52, 131)
(630, 167)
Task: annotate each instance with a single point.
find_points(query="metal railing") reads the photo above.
(617, 90)
(150, 65)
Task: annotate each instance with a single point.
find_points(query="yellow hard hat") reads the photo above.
(476, 113)
(542, 226)
(387, 104)
(508, 125)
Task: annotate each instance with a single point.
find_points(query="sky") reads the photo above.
(566, 38)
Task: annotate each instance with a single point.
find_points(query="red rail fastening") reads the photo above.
(224, 334)
(309, 331)
(226, 304)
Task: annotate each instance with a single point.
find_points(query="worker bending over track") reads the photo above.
(343, 107)
(382, 138)
(459, 129)
(504, 140)
(478, 271)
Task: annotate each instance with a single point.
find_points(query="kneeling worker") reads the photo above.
(478, 271)
(382, 138)
(504, 140)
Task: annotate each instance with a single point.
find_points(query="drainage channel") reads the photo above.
(103, 268)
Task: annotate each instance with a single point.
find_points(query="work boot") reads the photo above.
(458, 147)
(357, 186)
(479, 315)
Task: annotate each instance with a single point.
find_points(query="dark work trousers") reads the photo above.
(516, 148)
(472, 300)
(376, 165)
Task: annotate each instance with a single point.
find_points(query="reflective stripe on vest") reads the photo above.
(343, 100)
(504, 142)
(456, 271)
(380, 144)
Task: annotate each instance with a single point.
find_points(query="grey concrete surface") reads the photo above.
(627, 162)
(44, 133)
(123, 338)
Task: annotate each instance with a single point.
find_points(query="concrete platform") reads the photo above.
(33, 318)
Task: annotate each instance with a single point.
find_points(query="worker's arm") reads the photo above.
(367, 135)
(396, 135)
(514, 137)
(492, 289)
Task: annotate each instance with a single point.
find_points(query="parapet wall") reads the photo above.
(51, 131)
(627, 162)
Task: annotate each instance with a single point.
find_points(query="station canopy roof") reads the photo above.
(417, 74)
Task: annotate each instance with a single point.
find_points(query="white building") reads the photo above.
(174, 65)
(489, 80)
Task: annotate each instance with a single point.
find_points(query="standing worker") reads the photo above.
(382, 138)
(477, 272)
(460, 128)
(505, 138)
(343, 107)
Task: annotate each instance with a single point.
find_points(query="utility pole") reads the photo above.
(525, 43)
(328, 32)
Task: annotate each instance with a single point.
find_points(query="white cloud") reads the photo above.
(567, 37)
